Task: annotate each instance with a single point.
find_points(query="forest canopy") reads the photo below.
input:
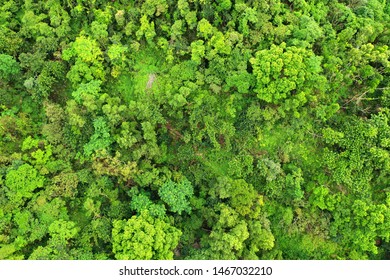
(194, 129)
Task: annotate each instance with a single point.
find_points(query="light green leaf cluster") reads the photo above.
(144, 238)
(22, 182)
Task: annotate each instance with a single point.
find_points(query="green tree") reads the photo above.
(22, 182)
(87, 57)
(101, 139)
(177, 195)
(286, 76)
(8, 67)
(144, 238)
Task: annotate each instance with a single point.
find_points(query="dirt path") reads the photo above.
(150, 82)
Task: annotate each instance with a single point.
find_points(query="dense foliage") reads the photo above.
(194, 129)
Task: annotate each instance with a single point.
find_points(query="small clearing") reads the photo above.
(150, 82)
